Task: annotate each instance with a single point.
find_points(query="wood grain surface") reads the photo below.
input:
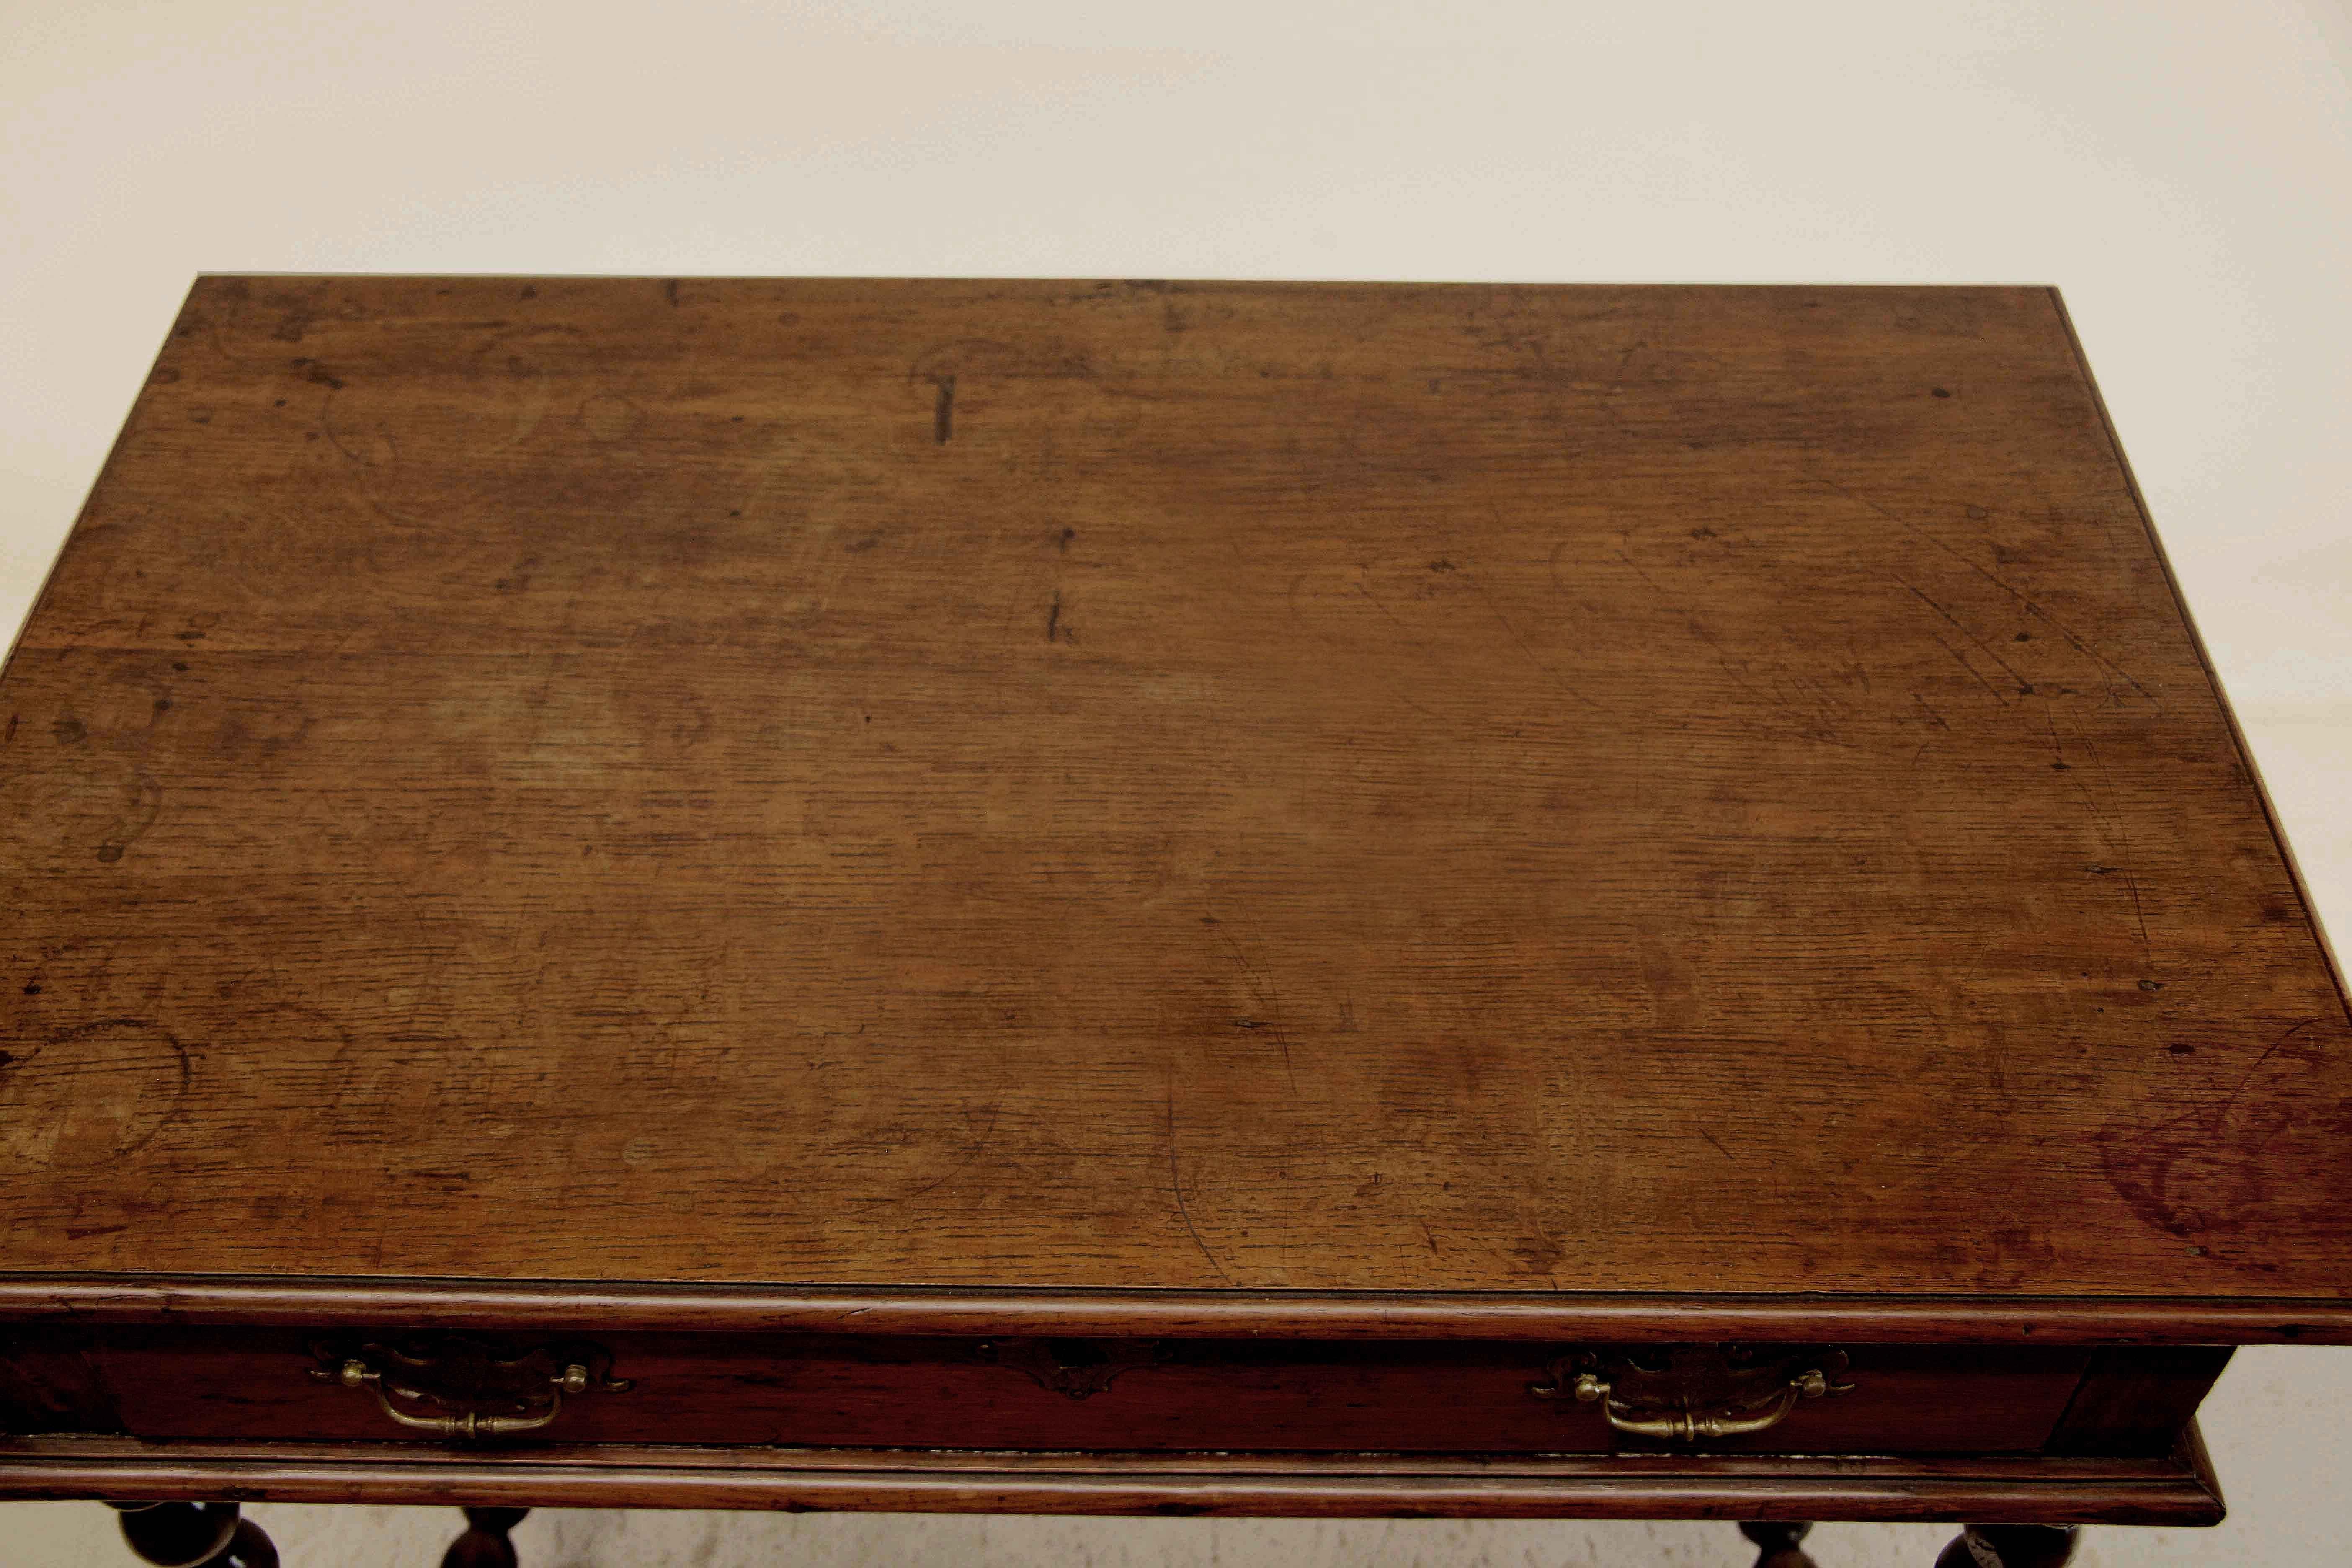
(1086, 785)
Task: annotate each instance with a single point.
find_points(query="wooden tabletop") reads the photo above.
(1252, 786)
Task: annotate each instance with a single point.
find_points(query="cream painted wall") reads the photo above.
(2184, 172)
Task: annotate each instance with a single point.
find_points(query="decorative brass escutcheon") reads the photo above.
(1077, 1369)
(490, 1389)
(1687, 1393)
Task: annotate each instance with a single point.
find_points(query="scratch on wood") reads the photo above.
(2227, 1100)
(1394, 690)
(1962, 659)
(2106, 823)
(2084, 649)
(1736, 673)
(1717, 1147)
(1270, 1000)
(1526, 649)
(2024, 686)
(971, 1155)
(943, 411)
(1176, 1185)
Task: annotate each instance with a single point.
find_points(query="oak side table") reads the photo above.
(1136, 898)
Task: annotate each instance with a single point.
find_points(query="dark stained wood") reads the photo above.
(179, 1534)
(1278, 788)
(1238, 1396)
(1260, 1314)
(1779, 1544)
(483, 1544)
(49, 1383)
(2011, 1546)
(2138, 1401)
(2191, 1450)
(250, 1547)
(195, 1535)
(1743, 1486)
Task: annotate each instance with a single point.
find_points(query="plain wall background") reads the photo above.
(2183, 171)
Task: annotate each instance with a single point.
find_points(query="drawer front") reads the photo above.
(828, 1391)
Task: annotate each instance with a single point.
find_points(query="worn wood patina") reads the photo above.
(1114, 870)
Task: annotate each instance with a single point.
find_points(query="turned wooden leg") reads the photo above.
(1779, 1542)
(2011, 1546)
(194, 1535)
(484, 1542)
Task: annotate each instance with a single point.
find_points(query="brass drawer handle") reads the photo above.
(1689, 1426)
(357, 1373)
(461, 1374)
(1700, 1393)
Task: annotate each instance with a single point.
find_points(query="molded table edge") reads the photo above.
(2173, 1491)
(375, 1302)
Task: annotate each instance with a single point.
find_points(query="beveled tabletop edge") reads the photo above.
(2301, 884)
(1207, 280)
(218, 1301)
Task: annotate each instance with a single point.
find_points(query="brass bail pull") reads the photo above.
(357, 1373)
(519, 1400)
(1737, 1416)
(1690, 1425)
